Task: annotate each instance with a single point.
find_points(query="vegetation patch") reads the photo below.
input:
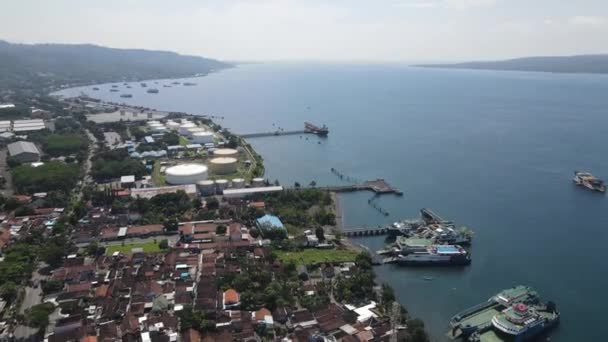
(114, 164)
(64, 144)
(38, 315)
(316, 256)
(50, 176)
(148, 247)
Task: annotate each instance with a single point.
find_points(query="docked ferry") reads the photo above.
(589, 181)
(436, 255)
(514, 314)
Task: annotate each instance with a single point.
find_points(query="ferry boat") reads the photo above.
(126, 95)
(436, 255)
(153, 91)
(522, 322)
(589, 181)
(514, 314)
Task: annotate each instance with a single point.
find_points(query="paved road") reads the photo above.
(33, 296)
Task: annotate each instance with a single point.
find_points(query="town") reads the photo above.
(124, 223)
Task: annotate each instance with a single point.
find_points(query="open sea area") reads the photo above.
(491, 150)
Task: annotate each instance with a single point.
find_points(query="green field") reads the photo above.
(148, 247)
(316, 256)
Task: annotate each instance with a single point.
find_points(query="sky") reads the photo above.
(330, 30)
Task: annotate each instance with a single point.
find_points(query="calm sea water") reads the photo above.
(491, 150)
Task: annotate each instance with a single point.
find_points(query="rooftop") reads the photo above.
(22, 147)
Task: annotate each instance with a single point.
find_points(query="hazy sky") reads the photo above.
(368, 30)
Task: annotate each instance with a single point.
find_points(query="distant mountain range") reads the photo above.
(51, 65)
(595, 64)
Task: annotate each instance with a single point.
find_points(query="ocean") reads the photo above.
(494, 151)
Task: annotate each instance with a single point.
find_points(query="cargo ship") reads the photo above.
(436, 255)
(589, 181)
(152, 91)
(514, 314)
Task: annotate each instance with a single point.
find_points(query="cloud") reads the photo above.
(453, 4)
(588, 21)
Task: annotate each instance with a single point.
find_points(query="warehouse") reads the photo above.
(24, 151)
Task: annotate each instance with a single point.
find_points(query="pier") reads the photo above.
(365, 231)
(308, 129)
(379, 186)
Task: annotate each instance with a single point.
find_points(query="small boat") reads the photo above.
(428, 278)
(589, 181)
(152, 91)
(189, 84)
(114, 90)
(126, 95)
(95, 88)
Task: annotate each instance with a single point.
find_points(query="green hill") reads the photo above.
(42, 66)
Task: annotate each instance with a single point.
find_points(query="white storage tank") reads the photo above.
(238, 183)
(206, 187)
(223, 166)
(221, 184)
(186, 174)
(257, 182)
(183, 129)
(226, 153)
(202, 137)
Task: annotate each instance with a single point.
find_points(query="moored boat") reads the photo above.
(589, 181)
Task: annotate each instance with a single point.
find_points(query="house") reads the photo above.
(263, 316)
(231, 299)
(127, 181)
(24, 151)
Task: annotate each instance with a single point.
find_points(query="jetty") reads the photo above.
(309, 128)
(379, 186)
(364, 231)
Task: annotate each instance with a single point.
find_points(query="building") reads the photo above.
(28, 125)
(268, 223)
(127, 181)
(238, 193)
(24, 151)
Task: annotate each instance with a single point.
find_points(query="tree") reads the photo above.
(171, 225)
(320, 233)
(213, 203)
(164, 244)
(221, 229)
(276, 182)
(8, 291)
(38, 315)
(313, 184)
(51, 286)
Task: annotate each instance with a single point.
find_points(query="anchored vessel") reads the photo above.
(153, 91)
(436, 255)
(514, 314)
(126, 95)
(589, 181)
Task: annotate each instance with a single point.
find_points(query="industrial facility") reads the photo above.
(186, 174)
(223, 165)
(226, 153)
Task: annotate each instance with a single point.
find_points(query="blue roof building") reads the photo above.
(267, 222)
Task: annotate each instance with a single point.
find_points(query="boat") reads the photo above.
(514, 314)
(152, 91)
(143, 84)
(114, 86)
(589, 181)
(189, 84)
(436, 255)
(95, 88)
(114, 90)
(126, 95)
(166, 86)
(522, 322)
(175, 82)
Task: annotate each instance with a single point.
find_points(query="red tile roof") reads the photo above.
(231, 296)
